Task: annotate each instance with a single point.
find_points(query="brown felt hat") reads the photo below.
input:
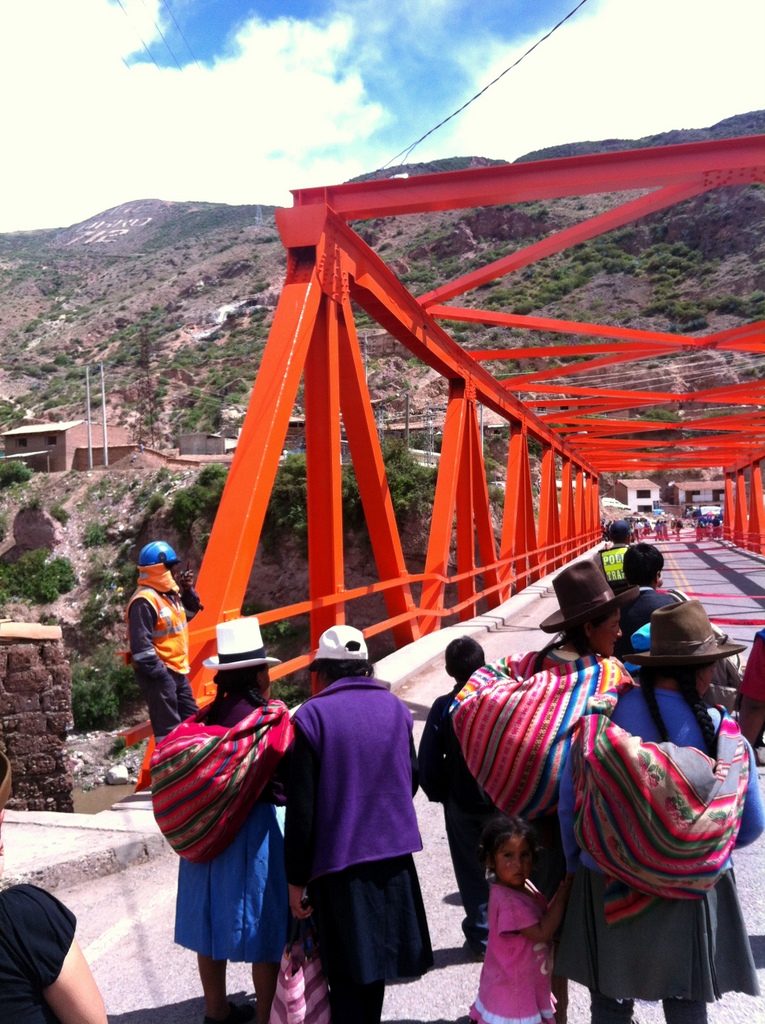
(583, 595)
(681, 634)
(5, 780)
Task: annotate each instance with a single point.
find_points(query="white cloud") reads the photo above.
(617, 70)
(297, 103)
(89, 133)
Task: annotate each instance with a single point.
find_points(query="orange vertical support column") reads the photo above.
(368, 465)
(728, 508)
(466, 588)
(484, 526)
(594, 509)
(519, 541)
(567, 514)
(756, 510)
(324, 470)
(548, 528)
(439, 542)
(579, 506)
(589, 518)
(740, 522)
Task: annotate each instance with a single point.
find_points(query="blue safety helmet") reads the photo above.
(158, 552)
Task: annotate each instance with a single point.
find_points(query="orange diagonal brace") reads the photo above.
(620, 215)
(230, 552)
(439, 542)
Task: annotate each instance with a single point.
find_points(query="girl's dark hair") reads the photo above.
(334, 669)
(240, 682)
(499, 830)
(574, 635)
(685, 677)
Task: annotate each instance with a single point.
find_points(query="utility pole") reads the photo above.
(87, 403)
(103, 416)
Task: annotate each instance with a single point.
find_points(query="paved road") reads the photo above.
(126, 920)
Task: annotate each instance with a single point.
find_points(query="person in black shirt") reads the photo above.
(44, 977)
(445, 779)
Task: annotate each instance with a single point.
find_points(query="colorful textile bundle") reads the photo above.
(658, 819)
(515, 728)
(206, 779)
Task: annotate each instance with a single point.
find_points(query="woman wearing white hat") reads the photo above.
(45, 978)
(351, 830)
(235, 906)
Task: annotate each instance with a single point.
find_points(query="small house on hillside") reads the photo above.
(696, 492)
(639, 495)
(57, 447)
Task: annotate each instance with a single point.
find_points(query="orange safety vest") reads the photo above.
(171, 637)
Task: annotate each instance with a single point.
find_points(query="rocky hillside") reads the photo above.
(176, 298)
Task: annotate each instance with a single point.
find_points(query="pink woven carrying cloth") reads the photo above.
(205, 779)
(658, 819)
(515, 727)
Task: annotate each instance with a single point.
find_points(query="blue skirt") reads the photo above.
(235, 907)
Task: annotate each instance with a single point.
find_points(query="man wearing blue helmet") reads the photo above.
(158, 636)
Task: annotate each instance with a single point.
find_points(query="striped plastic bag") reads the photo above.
(301, 988)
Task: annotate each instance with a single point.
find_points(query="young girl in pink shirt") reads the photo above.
(515, 979)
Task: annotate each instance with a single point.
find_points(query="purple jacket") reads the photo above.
(360, 736)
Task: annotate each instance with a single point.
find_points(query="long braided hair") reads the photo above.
(574, 635)
(238, 682)
(685, 677)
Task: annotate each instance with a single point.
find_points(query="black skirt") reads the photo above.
(685, 949)
(371, 922)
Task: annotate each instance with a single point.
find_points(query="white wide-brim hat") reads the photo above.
(240, 645)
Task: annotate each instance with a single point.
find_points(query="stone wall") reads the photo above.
(35, 712)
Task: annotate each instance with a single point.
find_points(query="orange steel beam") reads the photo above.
(549, 519)
(746, 335)
(725, 162)
(740, 519)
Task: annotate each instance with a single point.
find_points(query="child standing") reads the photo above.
(515, 979)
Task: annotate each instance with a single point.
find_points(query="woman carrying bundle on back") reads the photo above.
(217, 790)
(650, 808)
(515, 717)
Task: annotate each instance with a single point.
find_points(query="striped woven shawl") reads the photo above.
(515, 727)
(206, 779)
(658, 819)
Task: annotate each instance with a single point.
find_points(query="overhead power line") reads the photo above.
(180, 33)
(406, 153)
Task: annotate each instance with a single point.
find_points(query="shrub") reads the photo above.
(199, 500)
(58, 512)
(101, 687)
(36, 578)
(95, 535)
(13, 471)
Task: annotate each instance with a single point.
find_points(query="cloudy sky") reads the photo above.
(237, 101)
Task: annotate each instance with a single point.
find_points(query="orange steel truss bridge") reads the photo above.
(331, 270)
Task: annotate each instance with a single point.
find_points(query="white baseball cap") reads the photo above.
(341, 643)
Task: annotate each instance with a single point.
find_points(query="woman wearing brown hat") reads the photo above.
(45, 977)
(650, 807)
(515, 726)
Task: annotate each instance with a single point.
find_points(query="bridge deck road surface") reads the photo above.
(125, 920)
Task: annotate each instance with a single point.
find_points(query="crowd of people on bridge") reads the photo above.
(592, 802)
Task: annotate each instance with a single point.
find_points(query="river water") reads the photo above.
(100, 798)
